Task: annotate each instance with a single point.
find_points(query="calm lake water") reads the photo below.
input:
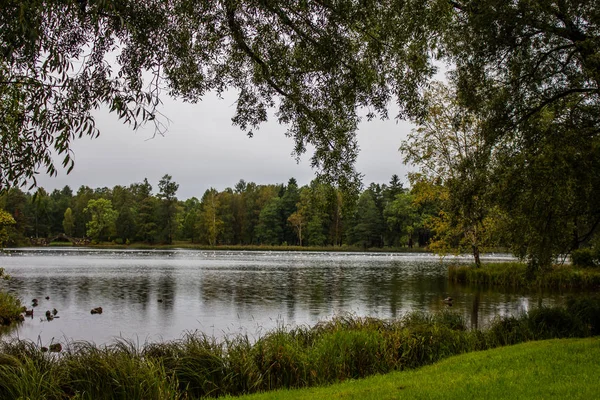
(229, 292)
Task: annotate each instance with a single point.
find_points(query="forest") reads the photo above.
(318, 214)
(505, 97)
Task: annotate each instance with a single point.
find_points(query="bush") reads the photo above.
(553, 322)
(514, 275)
(346, 347)
(587, 310)
(10, 309)
(585, 258)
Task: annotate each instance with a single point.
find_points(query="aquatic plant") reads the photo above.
(10, 308)
(514, 275)
(345, 347)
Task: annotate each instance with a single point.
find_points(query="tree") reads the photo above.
(317, 61)
(395, 226)
(226, 214)
(103, 219)
(82, 197)
(146, 211)
(60, 200)
(313, 208)
(289, 199)
(269, 229)
(367, 223)
(40, 205)
(296, 220)
(450, 150)
(210, 225)
(401, 219)
(15, 202)
(191, 210)
(167, 190)
(68, 222)
(5, 220)
(529, 70)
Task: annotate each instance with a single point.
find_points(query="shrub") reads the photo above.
(585, 258)
(198, 366)
(553, 322)
(587, 310)
(10, 308)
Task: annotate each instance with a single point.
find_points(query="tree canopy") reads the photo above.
(529, 71)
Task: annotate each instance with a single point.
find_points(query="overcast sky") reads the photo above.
(202, 149)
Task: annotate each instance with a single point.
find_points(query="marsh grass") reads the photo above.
(513, 274)
(10, 308)
(346, 347)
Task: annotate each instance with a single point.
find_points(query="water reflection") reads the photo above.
(152, 295)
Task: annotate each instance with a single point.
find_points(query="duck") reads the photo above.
(54, 311)
(56, 348)
(448, 300)
(29, 313)
(97, 310)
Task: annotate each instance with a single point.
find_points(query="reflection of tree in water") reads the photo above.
(166, 290)
(291, 293)
(475, 310)
(131, 290)
(323, 290)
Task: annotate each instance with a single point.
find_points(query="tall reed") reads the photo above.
(514, 275)
(346, 347)
(10, 308)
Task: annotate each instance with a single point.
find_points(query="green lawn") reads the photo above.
(551, 369)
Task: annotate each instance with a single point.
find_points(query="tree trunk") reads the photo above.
(476, 256)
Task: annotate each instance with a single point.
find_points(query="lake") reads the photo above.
(151, 295)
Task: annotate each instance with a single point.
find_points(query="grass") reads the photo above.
(551, 369)
(513, 274)
(341, 349)
(10, 309)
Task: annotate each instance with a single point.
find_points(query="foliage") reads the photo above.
(525, 73)
(10, 306)
(450, 151)
(516, 275)
(296, 219)
(318, 214)
(332, 351)
(209, 223)
(585, 258)
(167, 190)
(5, 220)
(367, 223)
(587, 309)
(270, 229)
(68, 222)
(531, 70)
(103, 219)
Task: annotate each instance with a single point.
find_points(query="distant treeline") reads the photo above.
(317, 214)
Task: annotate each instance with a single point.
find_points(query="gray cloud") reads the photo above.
(202, 149)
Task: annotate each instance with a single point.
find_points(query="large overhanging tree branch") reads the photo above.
(529, 70)
(316, 63)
